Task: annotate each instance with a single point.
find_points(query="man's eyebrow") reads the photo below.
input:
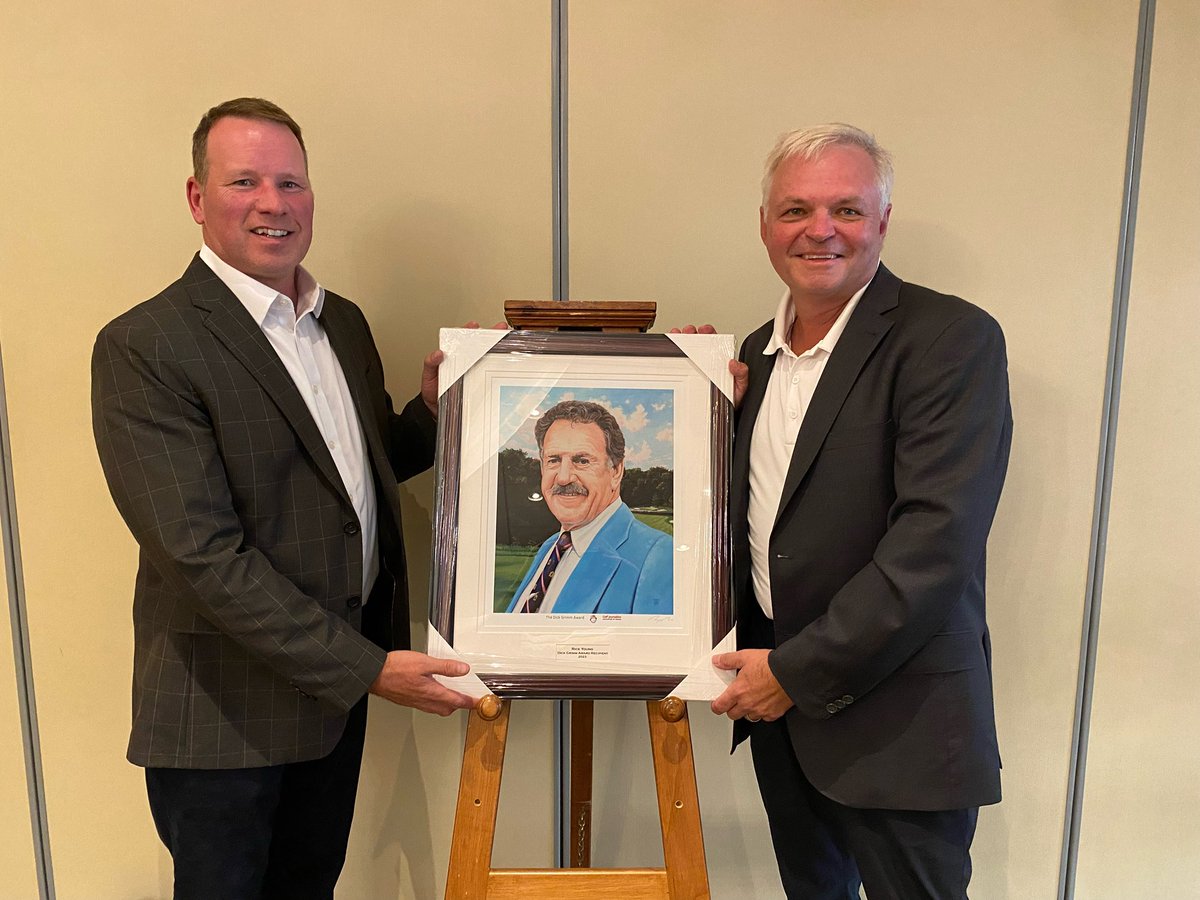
(254, 173)
(852, 200)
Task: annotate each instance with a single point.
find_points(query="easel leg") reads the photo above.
(478, 799)
(678, 803)
(580, 851)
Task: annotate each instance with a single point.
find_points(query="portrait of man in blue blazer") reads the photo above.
(602, 559)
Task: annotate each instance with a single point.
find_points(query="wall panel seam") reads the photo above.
(560, 291)
(34, 774)
(1094, 587)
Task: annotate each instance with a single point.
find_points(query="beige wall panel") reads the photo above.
(1140, 826)
(17, 861)
(738, 850)
(429, 133)
(1008, 123)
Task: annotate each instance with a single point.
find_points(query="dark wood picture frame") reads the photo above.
(446, 555)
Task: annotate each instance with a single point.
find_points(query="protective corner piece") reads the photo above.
(710, 353)
(463, 348)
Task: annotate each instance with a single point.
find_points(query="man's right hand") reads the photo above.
(407, 679)
(739, 370)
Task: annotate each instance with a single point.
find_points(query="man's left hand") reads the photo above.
(429, 372)
(739, 370)
(755, 695)
(429, 380)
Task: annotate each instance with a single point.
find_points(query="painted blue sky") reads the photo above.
(646, 417)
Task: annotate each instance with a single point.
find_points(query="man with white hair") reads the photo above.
(871, 444)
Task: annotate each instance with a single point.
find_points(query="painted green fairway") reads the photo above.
(664, 521)
(511, 565)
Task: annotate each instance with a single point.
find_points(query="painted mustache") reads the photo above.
(569, 490)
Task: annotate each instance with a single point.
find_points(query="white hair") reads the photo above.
(809, 143)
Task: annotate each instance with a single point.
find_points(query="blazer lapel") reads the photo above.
(585, 588)
(863, 333)
(228, 320)
(587, 584)
(343, 338)
(760, 374)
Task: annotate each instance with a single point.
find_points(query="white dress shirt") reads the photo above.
(789, 392)
(581, 537)
(304, 350)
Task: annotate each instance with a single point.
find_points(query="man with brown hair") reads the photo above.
(250, 446)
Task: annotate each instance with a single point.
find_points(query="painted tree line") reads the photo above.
(522, 519)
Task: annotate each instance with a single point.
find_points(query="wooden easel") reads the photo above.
(685, 873)
(471, 876)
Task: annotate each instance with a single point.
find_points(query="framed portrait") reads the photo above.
(581, 547)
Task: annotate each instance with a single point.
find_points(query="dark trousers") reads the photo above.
(824, 848)
(269, 832)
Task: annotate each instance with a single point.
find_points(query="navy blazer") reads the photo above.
(877, 555)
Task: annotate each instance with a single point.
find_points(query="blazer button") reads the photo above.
(847, 699)
(354, 603)
(350, 528)
(830, 708)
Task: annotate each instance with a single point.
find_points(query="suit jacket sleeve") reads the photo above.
(953, 431)
(166, 472)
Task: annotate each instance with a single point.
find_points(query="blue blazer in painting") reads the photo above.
(627, 568)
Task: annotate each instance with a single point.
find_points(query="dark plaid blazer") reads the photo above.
(248, 644)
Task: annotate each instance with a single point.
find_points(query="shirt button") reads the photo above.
(333, 445)
(796, 380)
(792, 414)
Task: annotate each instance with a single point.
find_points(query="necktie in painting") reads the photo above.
(561, 546)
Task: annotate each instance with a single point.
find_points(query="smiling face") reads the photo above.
(578, 480)
(823, 225)
(255, 207)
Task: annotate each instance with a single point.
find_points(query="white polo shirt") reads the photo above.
(789, 391)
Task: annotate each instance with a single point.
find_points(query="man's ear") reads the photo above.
(194, 192)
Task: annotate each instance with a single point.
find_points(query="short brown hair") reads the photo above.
(241, 108)
(583, 412)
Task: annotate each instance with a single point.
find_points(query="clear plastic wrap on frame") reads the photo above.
(643, 601)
